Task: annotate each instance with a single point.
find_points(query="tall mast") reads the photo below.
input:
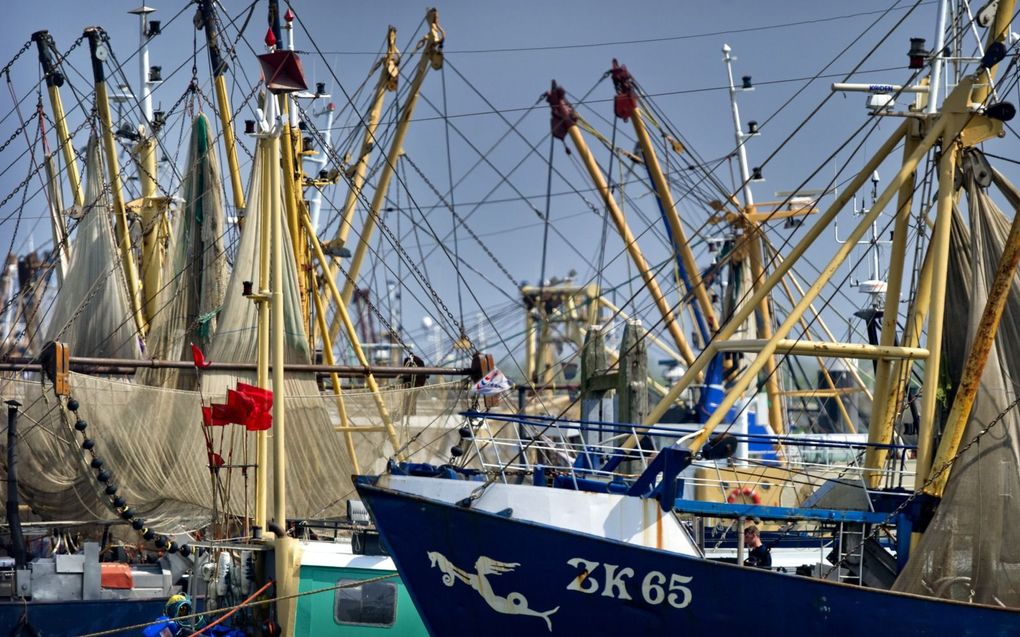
(564, 122)
(152, 207)
(219, 70)
(960, 118)
(292, 193)
(631, 108)
(99, 51)
(745, 174)
(753, 234)
(388, 74)
(54, 80)
(431, 55)
(283, 75)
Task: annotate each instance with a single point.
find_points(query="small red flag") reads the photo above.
(247, 405)
(199, 357)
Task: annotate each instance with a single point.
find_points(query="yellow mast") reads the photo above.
(54, 80)
(388, 74)
(624, 89)
(277, 332)
(431, 56)
(352, 336)
(564, 123)
(974, 129)
(219, 69)
(262, 306)
(880, 430)
(98, 48)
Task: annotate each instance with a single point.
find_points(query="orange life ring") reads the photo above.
(746, 492)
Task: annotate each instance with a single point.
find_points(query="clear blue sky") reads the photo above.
(509, 52)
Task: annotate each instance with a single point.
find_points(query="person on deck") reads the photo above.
(758, 555)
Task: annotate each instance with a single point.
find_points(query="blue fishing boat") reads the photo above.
(486, 565)
(601, 543)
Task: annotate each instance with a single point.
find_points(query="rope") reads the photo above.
(246, 604)
(935, 474)
(234, 610)
(453, 222)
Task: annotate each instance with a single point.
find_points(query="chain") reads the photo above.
(192, 87)
(461, 221)
(233, 118)
(61, 57)
(935, 475)
(393, 332)
(77, 153)
(10, 139)
(423, 279)
(382, 319)
(32, 173)
(7, 67)
(331, 153)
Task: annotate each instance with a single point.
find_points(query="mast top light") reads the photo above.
(142, 10)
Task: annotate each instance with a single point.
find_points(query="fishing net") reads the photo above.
(152, 439)
(154, 444)
(195, 272)
(971, 549)
(92, 310)
(58, 227)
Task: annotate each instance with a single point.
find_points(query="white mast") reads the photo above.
(745, 174)
(145, 81)
(937, 60)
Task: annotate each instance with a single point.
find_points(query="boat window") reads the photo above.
(372, 604)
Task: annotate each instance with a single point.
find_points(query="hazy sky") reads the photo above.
(502, 55)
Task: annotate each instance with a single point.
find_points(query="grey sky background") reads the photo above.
(508, 52)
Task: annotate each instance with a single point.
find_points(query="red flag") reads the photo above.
(199, 357)
(247, 405)
(261, 416)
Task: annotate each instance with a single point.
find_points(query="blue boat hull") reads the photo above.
(470, 571)
(62, 619)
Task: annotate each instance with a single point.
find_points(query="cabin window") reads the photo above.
(372, 604)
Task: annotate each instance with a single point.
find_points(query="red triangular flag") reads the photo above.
(199, 357)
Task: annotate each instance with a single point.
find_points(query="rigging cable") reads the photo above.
(453, 214)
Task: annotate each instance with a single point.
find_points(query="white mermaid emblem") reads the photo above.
(512, 604)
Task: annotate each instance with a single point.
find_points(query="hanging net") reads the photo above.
(92, 310)
(195, 272)
(971, 549)
(153, 443)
